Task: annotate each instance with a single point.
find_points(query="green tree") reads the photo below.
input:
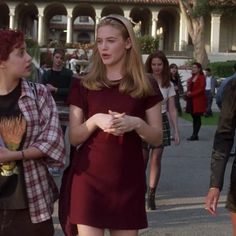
(33, 49)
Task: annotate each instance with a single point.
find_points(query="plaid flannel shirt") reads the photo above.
(44, 133)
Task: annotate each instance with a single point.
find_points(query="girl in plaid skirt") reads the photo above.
(157, 65)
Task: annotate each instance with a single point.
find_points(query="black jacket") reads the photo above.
(224, 138)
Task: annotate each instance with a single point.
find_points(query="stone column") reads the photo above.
(12, 18)
(161, 38)
(154, 23)
(183, 33)
(154, 27)
(97, 19)
(215, 32)
(69, 29)
(98, 11)
(127, 13)
(40, 29)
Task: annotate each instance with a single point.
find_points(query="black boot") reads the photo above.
(193, 138)
(151, 205)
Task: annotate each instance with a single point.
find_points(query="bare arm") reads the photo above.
(173, 118)
(80, 130)
(27, 154)
(151, 131)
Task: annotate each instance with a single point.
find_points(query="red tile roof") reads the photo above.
(157, 2)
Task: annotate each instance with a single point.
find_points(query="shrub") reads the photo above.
(55, 44)
(33, 48)
(222, 69)
(148, 44)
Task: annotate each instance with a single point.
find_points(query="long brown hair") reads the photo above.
(165, 75)
(135, 81)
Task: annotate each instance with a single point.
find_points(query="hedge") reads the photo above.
(222, 69)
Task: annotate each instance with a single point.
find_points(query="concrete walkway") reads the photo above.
(182, 189)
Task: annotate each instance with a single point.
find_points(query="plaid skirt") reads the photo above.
(166, 133)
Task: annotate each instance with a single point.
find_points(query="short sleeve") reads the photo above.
(156, 98)
(78, 95)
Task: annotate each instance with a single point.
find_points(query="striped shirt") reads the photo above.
(44, 133)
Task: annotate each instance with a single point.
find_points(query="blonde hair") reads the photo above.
(135, 81)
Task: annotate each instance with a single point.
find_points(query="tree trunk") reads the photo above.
(198, 40)
(195, 28)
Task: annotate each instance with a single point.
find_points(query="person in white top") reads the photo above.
(158, 66)
(211, 84)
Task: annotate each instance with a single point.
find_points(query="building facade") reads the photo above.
(75, 21)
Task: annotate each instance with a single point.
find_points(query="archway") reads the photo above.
(4, 19)
(55, 25)
(27, 19)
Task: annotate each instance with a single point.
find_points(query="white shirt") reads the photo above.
(73, 62)
(166, 93)
(208, 82)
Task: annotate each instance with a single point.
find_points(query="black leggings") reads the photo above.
(196, 124)
(18, 222)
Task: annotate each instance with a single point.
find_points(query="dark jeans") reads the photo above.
(209, 102)
(196, 124)
(17, 222)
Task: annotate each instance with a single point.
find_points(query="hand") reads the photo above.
(117, 131)
(212, 200)
(51, 88)
(177, 139)
(176, 88)
(189, 94)
(103, 121)
(122, 122)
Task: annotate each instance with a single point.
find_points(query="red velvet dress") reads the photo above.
(108, 184)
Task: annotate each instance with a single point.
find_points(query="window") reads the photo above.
(56, 18)
(84, 19)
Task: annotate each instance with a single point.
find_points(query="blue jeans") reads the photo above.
(209, 102)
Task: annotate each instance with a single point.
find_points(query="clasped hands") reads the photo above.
(115, 123)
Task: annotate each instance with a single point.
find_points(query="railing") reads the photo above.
(183, 54)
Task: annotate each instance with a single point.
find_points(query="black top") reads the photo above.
(12, 131)
(177, 84)
(59, 79)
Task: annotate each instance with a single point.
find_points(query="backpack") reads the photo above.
(33, 89)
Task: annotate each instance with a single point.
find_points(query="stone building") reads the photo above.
(73, 21)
